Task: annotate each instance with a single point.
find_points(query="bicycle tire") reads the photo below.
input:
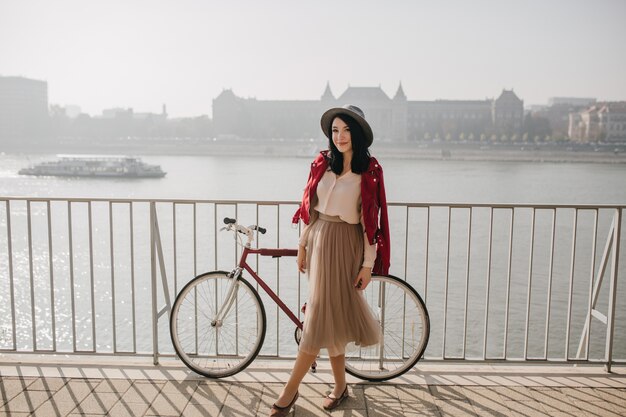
(406, 329)
(223, 349)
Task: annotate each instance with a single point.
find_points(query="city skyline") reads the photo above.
(144, 54)
(74, 109)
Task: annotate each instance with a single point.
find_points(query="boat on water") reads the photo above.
(95, 166)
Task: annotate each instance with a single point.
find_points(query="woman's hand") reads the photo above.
(363, 278)
(301, 261)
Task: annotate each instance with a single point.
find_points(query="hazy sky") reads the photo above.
(138, 53)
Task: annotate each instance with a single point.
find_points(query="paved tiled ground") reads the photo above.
(49, 396)
(72, 386)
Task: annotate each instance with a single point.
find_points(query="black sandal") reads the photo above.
(331, 403)
(278, 411)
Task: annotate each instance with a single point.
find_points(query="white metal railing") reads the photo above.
(501, 282)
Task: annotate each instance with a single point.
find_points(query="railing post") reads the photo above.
(608, 354)
(153, 288)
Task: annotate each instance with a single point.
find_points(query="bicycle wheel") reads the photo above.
(406, 328)
(210, 348)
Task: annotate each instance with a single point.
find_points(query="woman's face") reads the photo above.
(341, 136)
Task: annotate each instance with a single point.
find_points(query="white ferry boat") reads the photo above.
(95, 166)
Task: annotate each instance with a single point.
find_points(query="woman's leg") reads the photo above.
(300, 368)
(338, 365)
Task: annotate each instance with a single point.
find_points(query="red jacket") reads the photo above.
(373, 207)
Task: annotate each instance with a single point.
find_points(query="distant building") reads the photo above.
(154, 117)
(23, 108)
(72, 111)
(572, 101)
(252, 118)
(117, 113)
(394, 118)
(128, 114)
(125, 122)
(536, 108)
(558, 113)
(600, 122)
(507, 113)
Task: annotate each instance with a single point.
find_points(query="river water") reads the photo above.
(282, 179)
(243, 178)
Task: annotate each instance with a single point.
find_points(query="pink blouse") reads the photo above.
(341, 196)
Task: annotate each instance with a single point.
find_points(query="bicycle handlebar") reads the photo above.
(228, 221)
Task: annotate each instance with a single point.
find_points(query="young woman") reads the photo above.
(345, 238)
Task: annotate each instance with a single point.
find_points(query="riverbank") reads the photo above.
(504, 154)
(613, 154)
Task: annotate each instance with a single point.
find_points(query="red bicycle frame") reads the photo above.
(274, 253)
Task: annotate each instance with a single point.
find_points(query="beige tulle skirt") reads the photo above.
(336, 312)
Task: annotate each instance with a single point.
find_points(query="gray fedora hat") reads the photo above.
(352, 111)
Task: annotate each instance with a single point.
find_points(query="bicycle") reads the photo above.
(218, 321)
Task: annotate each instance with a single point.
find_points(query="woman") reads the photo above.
(344, 240)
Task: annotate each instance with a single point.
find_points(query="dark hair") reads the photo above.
(360, 152)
